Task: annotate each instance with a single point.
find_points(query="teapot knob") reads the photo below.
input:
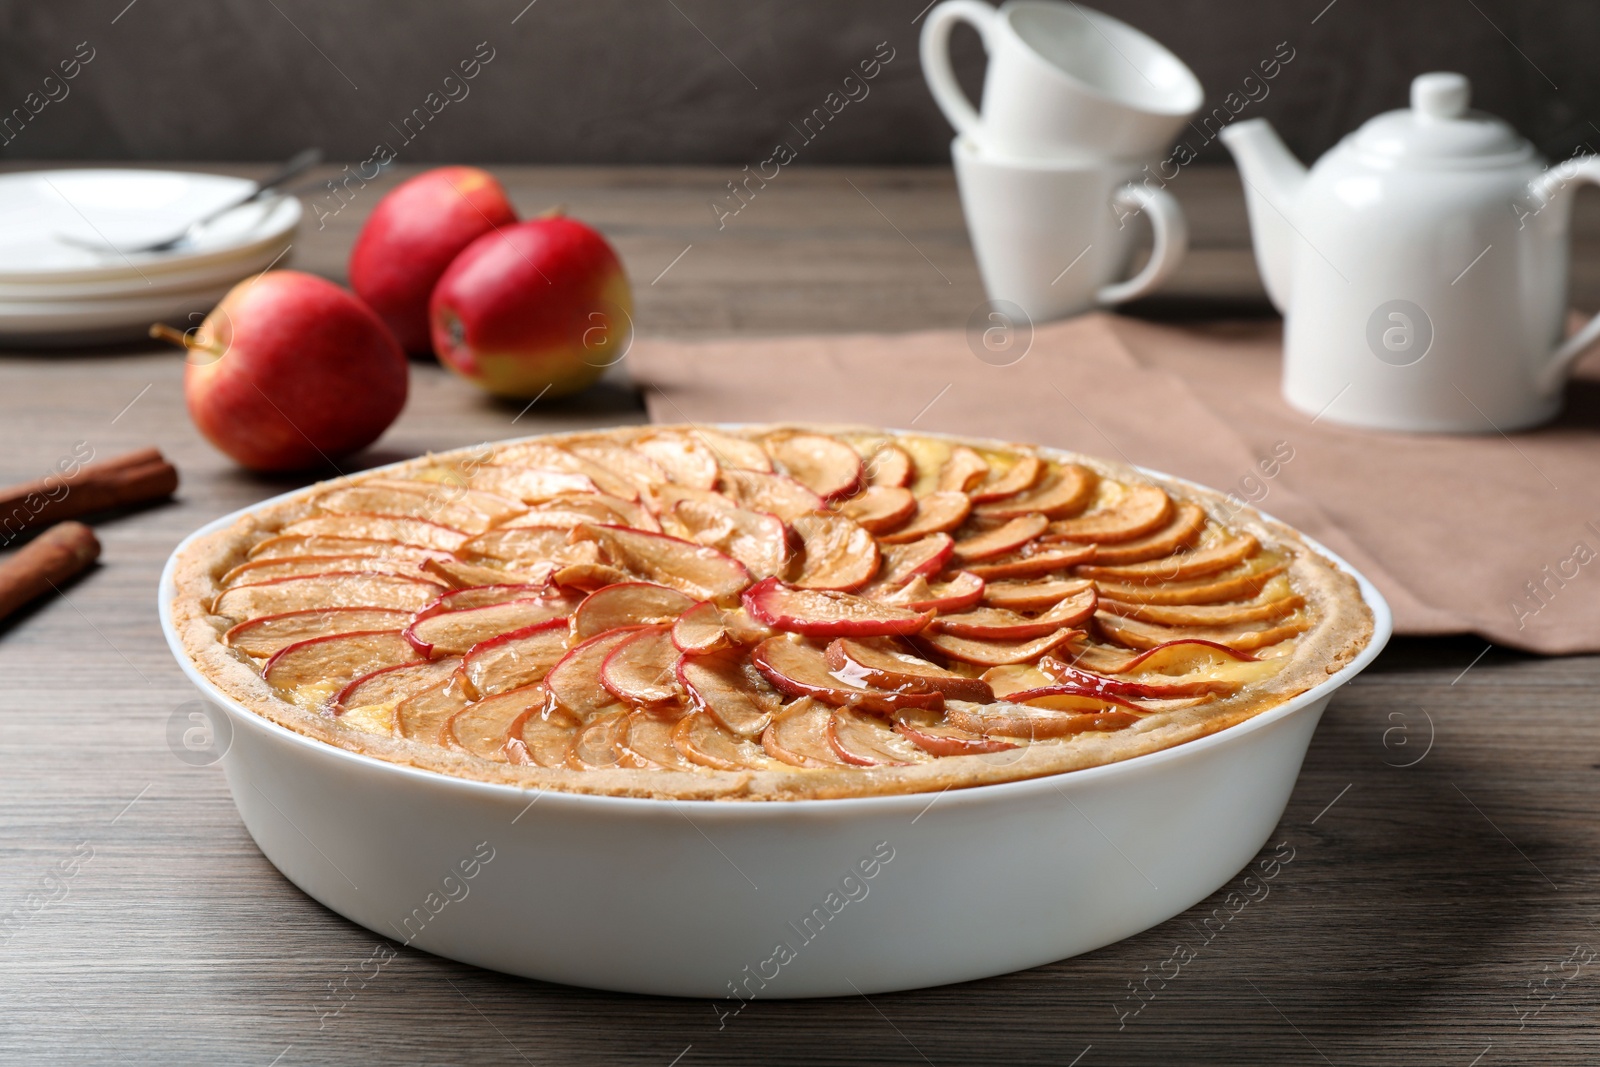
(1440, 95)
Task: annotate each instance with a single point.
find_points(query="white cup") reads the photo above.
(1052, 238)
(1063, 82)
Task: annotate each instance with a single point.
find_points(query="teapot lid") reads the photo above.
(1438, 129)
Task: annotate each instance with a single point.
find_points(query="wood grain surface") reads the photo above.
(1439, 908)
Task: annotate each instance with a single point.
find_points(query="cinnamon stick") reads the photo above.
(119, 482)
(45, 563)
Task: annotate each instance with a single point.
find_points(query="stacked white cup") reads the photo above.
(1075, 106)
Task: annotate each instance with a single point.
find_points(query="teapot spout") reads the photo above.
(1273, 179)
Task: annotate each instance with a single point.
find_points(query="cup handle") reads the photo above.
(1171, 232)
(936, 59)
(1545, 190)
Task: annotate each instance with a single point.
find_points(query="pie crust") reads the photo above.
(845, 649)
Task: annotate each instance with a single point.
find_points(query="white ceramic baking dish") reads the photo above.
(763, 900)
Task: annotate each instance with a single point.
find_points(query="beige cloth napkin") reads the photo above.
(1493, 535)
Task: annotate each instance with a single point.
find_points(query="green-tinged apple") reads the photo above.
(411, 238)
(290, 371)
(539, 309)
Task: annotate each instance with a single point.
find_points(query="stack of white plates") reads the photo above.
(53, 292)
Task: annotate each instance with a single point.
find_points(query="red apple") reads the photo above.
(541, 308)
(411, 237)
(290, 371)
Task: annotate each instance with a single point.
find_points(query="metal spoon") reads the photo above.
(297, 165)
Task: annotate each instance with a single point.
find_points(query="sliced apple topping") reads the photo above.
(563, 518)
(1035, 723)
(423, 716)
(688, 461)
(1184, 566)
(838, 553)
(335, 660)
(647, 741)
(483, 728)
(322, 591)
(1140, 510)
(706, 627)
(1000, 540)
(574, 682)
(542, 737)
(799, 736)
(733, 452)
(589, 577)
(827, 613)
(1000, 624)
(528, 547)
(1206, 678)
(633, 467)
(530, 484)
(929, 731)
(888, 465)
(264, 570)
(731, 690)
(962, 591)
(389, 685)
(482, 596)
(515, 659)
(1017, 677)
(414, 500)
(879, 663)
(1275, 601)
(704, 741)
(704, 573)
(756, 539)
(829, 468)
(598, 744)
(798, 670)
(962, 470)
(936, 513)
(1188, 522)
(1247, 636)
(926, 556)
(995, 653)
(1033, 560)
(867, 741)
(543, 456)
(628, 604)
(261, 637)
(1238, 583)
(880, 508)
(459, 575)
(395, 528)
(451, 633)
(1034, 596)
(303, 545)
(668, 497)
(775, 494)
(639, 670)
(1063, 492)
(1022, 474)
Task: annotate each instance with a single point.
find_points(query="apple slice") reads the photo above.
(709, 628)
(926, 556)
(999, 624)
(302, 545)
(799, 736)
(482, 596)
(561, 518)
(1034, 560)
(1135, 634)
(838, 553)
(647, 741)
(528, 547)
(827, 613)
(1034, 596)
(1183, 566)
(261, 637)
(1018, 677)
(390, 685)
(1026, 721)
(775, 494)
(460, 508)
(867, 741)
(639, 670)
(574, 682)
(888, 465)
(451, 633)
(962, 591)
(1000, 540)
(543, 456)
(686, 459)
(589, 577)
(1068, 696)
(459, 575)
(397, 528)
(323, 591)
(735, 453)
(1159, 687)
(936, 513)
(635, 468)
(607, 510)
(264, 570)
(1180, 657)
(1271, 604)
(879, 664)
(530, 484)
(1239, 583)
(483, 728)
(542, 737)
(929, 731)
(703, 741)
(829, 468)
(757, 540)
(516, 659)
(996, 653)
(1140, 510)
(727, 687)
(1064, 491)
(702, 572)
(628, 604)
(336, 658)
(1183, 530)
(962, 470)
(598, 744)
(1023, 474)
(880, 508)
(799, 670)
(668, 497)
(423, 716)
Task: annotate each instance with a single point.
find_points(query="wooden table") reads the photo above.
(1439, 908)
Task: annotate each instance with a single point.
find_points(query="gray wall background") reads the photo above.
(703, 81)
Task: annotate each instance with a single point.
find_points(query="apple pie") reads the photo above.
(767, 613)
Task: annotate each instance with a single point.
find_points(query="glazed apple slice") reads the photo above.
(628, 604)
(889, 465)
(635, 468)
(829, 468)
(542, 737)
(265, 570)
(1018, 677)
(703, 741)
(396, 528)
(482, 596)
(669, 496)
(686, 459)
(962, 470)
(639, 670)
(1033, 560)
(704, 573)
(962, 591)
(423, 716)
(926, 556)
(561, 518)
(1026, 721)
(1000, 540)
(322, 591)
(589, 577)
(995, 653)
(1065, 491)
(1238, 583)
(574, 682)
(775, 494)
(390, 685)
(1140, 510)
(451, 633)
(605, 509)
(529, 547)
(732, 452)
(799, 736)
(647, 741)
(483, 728)
(530, 485)
(799, 670)
(336, 658)
(826, 613)
(1183, 566)
(999, 624)
(880, 508)
(1022, 474)
(727, 687)
(838, 553)
(284, 545)
(1157, 687)
(516, 659)
(756, 539)
(1187, 524)
(877, 663)
(1135, 634)
(597, 744)
(1034, 596)
(936, 513)
(458, 575)
(261, 637)
(863, 740)
(709, 628)
(543, 456)
(1069, 696)
(929, 731)
(1271, 604)
(457, 507)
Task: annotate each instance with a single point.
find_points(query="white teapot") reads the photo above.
(1421, 267)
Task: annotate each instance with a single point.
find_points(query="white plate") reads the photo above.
(105, 321)
(209, 275)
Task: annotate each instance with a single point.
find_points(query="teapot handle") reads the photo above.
(936, 60)
(1544, 191)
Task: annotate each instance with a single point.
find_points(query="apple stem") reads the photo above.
(162, 332)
